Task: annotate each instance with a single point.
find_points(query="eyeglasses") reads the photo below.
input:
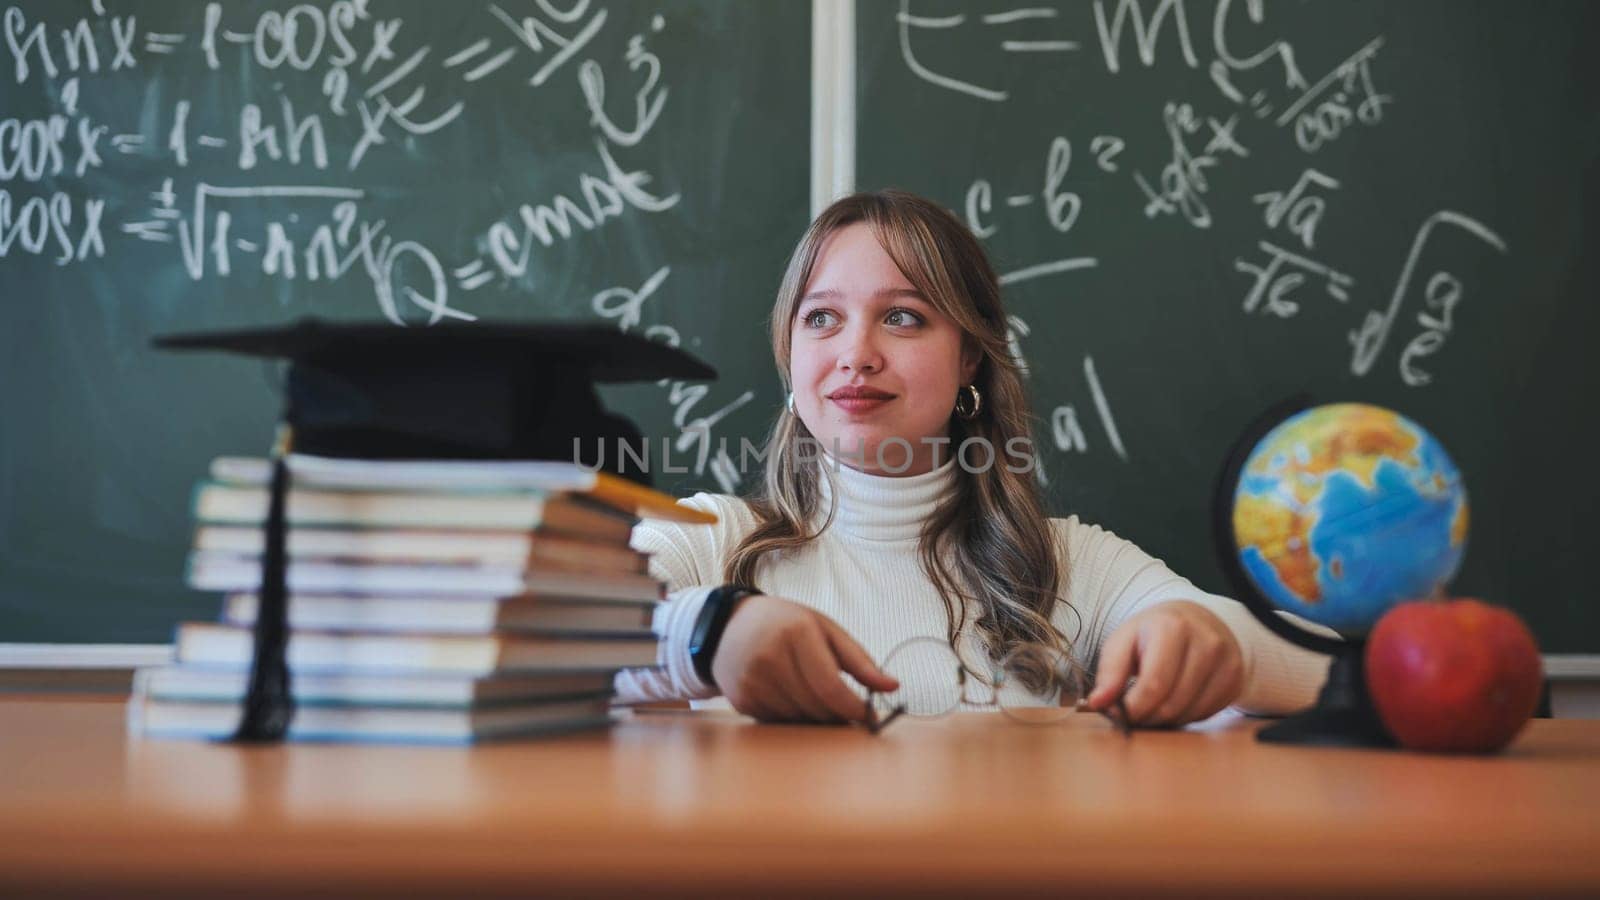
(934, 682)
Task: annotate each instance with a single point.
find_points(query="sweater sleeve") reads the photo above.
(1109, 580)
(687, 559)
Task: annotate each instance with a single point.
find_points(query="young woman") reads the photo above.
(872, 526)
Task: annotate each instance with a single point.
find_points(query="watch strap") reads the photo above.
(711, 623)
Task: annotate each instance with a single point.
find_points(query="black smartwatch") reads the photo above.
(712, 622)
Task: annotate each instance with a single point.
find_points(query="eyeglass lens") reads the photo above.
(1033, 683)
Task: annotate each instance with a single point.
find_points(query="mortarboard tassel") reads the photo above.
(268, 704)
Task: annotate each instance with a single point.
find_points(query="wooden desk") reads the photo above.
(703, 803)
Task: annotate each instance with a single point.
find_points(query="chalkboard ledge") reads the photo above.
(1571, 666)
(76, 668)
(108, 668)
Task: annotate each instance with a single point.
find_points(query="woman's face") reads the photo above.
(872, 359)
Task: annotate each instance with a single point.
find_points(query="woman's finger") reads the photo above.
(1209, 701)
(1158, 661)
(854, 660)
(774, 707)
(821, 670)
(802, 688)
(1224, 678)
(1115, 668)
(1188, 686)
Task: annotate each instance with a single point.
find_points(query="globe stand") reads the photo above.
(1343, 715)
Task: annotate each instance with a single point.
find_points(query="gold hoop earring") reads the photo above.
(973, 407)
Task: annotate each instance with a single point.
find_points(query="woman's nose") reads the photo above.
(860, 353)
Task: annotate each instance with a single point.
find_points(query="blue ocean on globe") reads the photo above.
(1344, 510)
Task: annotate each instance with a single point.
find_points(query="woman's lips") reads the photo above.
(860, 404)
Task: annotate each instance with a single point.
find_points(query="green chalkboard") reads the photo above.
(180, 166)
(1204, 207)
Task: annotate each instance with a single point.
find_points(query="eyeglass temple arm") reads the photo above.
(1121, 720)
(874, 724)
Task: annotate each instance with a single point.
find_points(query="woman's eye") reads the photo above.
(903, 317)
(815, 318)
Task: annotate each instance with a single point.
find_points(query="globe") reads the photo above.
(1343, 510)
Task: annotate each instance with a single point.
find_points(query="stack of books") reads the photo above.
(428, 601)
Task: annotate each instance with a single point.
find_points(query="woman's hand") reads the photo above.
(1188, 664)
(780, 662)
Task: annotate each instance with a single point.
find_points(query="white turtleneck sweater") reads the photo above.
(864, 572)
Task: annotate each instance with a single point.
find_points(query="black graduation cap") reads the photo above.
(450, 391)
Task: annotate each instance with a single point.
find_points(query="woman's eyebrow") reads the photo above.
(879, 294)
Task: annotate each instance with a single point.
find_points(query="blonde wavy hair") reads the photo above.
(987, 547)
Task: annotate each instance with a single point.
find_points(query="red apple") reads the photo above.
(1453, 675)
